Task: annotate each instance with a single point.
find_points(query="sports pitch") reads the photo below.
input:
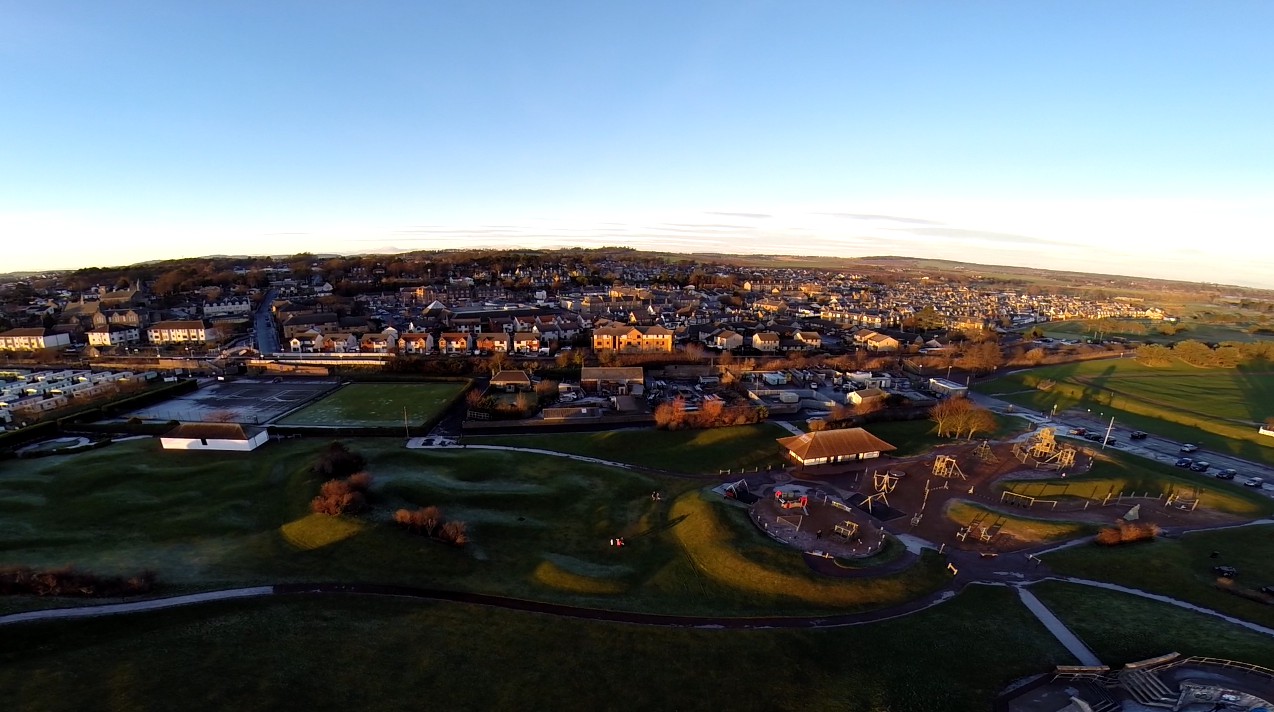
(244, 401)
(377, 405)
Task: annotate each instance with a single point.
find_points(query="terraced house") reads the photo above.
(32, 340)
(646, 339)
(179, 332)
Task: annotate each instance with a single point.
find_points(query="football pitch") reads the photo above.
(378, 405)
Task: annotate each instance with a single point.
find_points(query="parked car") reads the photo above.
(1079, 431)
(1200, 466)
(1189, 448)
(1255, 482)
(1138, 435)
(1095, 437)
(1225, 571)
(1184, 462)
(1226, 474)
(1268, 590)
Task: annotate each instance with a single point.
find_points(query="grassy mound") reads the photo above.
(1026, 530)
(318, 530)
(551, 575)
(709, 543)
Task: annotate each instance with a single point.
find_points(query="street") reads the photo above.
(1154, 447)
(267, 341)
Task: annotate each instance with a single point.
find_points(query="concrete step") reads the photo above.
(1147, 689)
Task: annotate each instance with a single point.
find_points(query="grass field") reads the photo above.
(685, 451)
(378, 404)
(1129, 474)
(1182, 568)
(360, 653)
(539, 527)
(1024, 530)
(913, 437)
(1121, 628)
(1218, 408)
(1210, 333)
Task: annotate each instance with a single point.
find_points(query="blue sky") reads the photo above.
(1109, 136)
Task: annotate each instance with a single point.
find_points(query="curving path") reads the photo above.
(480, 599)
(415, 444)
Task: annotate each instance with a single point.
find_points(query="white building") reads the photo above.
(34, 339)
(214, 436)
(943, 387)
(114, 335)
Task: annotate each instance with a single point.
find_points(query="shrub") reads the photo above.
(429, 521)
(338, 461)
(21, 580)
(454, 533)
(338, 497)
(1127, 532)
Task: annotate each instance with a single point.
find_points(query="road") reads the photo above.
(1154, 447)
(267, 339)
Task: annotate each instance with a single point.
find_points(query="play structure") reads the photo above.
(985, 453)
(946, 467)
(846, 530)
(791, 500)
(1185, 499)
(980, 529)
(1043, 447)
(883, 483)
(740, 492)
(1021, 500)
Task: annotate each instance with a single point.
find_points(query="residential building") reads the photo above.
(765, 341)
(33, 339)
(180, 332)
(114, 335)
(454, 342)
(633, 339)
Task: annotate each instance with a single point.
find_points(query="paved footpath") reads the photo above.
(1059, 630)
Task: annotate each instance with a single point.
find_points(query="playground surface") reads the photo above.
(250, 402)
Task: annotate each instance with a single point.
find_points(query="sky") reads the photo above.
(1115, 137)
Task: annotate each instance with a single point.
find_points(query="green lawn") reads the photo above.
(1182, 568)
(1217, 408)
(1211, 333)
(1119, 472)
(685, 451)
(362, 653)
(1121, 628)
(539, 527)
(378, 404)
(914, 437)
(1024, 531)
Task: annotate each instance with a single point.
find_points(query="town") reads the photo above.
(919, 429)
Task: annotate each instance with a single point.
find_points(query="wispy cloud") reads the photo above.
(758, 216)
(891, 218)
(1001, 237)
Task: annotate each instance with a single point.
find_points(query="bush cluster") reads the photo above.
(22, 580)
(430, 522)
(711, 414)
(1127, 532)
(347, 496)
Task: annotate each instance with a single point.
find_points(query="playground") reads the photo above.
(814, 519)
(997, 497)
